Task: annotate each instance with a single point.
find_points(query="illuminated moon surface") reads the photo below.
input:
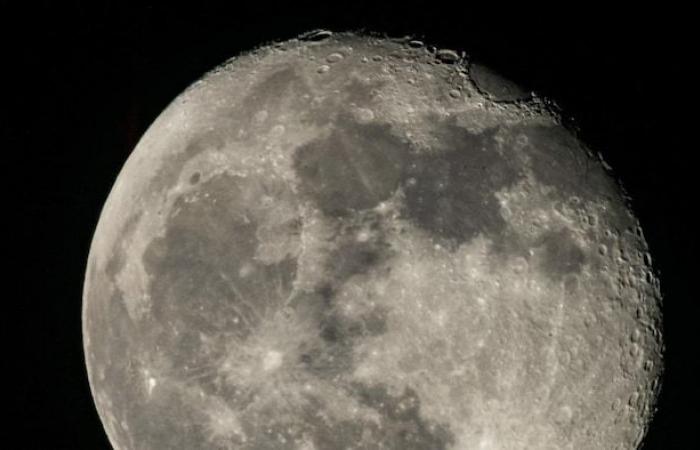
(354, 242)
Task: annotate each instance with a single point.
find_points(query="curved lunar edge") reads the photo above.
(348, 241)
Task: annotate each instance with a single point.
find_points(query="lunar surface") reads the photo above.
(354, 242)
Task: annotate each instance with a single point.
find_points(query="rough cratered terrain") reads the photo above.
(351, 242)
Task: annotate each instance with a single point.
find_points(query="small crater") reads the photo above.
(334, 58)
(447, 56)
(636, 335)
(363, 115)
(316, 36)
(194, 179)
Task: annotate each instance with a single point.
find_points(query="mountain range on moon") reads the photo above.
(350, 241)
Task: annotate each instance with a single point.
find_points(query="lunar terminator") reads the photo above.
(348, 241)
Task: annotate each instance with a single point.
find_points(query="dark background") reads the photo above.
(90, 77)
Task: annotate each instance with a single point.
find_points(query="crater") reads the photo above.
(560, 255)
(495, 86)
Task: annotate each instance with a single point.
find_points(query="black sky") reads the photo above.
(88, 78)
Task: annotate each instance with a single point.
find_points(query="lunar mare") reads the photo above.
(346, 241)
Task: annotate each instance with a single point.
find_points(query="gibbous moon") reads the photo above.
(352, 242)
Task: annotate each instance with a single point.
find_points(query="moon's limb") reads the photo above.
(344, 242)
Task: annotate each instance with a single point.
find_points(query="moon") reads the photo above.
(348, 241)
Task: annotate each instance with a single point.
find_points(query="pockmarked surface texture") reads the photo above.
(353, 242)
